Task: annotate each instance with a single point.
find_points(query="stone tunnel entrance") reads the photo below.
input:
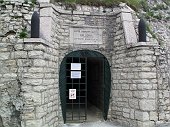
(84, 86)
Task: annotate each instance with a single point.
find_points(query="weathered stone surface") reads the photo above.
(142, 116)
(147, 105)
(29, 67)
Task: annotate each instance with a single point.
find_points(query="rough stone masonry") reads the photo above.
(29, 67)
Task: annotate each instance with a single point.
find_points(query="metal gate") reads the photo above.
(73, 85)
(76, 89)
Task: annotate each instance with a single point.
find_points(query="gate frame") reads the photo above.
(107, 79)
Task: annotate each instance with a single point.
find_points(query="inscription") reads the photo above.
(86, 35)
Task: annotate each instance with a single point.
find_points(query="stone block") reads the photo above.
(10, 75)
(24, 62)
(34, 123)
(141, 81)
(144, 86)
(133, 87)
(140, 94)
(39, 88)
(128, 94)
(152, 94)
(48, 81)
(154, 116)
(144, 58)
(39, 62)
(126, 115)
(132, 114)
(33, 75)
(45, 28)
(142, 116)
(126, 17)
(127, 110)
(36, 54)
(33, 81)
(134, 103)
(147, 75)
(130, 34)
(29, 116)
(35, 70)
(147, 105)
(46, 12)
(4, 55)
(145, 52)
(19, 54)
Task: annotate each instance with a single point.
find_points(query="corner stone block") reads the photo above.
(147, 105)
(127, 17)
(129, 29)
(46, 28)
(46, 12)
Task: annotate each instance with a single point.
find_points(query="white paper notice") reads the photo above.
(72, 94)
(75, 74)
(75, 66)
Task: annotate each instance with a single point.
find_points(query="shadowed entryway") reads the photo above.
(84, 86)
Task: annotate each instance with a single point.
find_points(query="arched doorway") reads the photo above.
(84, 83)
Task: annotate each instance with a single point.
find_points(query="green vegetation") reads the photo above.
(148, 28)
(135, 4)
(1, 1)
(160, 7)
(23, 34)
(167, 2)
(25, 1)
(31, 2)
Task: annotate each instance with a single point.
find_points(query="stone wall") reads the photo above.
(29, 68)
(135, 86)
(163, 84)
(39, 78)
(83, 17)
(14, 16)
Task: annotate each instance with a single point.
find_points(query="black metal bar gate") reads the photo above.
(73, 85)
(76, 107)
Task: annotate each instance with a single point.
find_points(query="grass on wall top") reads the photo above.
(135, 4)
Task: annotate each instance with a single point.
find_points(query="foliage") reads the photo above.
(33, 1)
(23, 34)
(1, 1)
(144, 5)
(25, 1)
(135, 4)
(167, 2)
(148, 28)
(160, 7)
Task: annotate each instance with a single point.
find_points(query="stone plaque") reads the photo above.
(86, 35)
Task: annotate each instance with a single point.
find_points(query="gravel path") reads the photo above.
(94, 124)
